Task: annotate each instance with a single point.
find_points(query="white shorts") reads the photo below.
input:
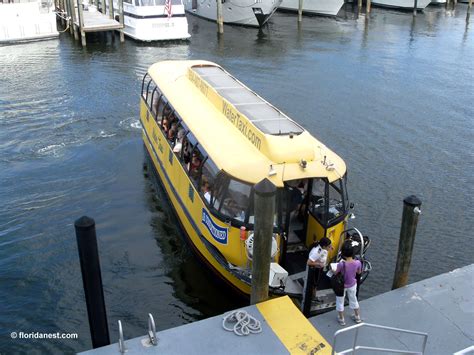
(351, 295)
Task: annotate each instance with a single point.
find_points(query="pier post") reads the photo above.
(92, 280)
(120, 2)
(111, 9)
(411, 211)
(265, 193)
(367, 7)
(300, 10)
(80, 9)
(415, 7)
(469, 5)
(220, 19)
(74, 19)
(69, 15)
(359, 6)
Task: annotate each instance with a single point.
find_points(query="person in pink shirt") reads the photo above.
(350, 267)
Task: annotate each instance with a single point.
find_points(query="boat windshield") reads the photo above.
(328, 201)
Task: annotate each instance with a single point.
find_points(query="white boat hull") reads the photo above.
(253, 13)
(319, 7)
(438, 1)
(402, 4)
(150, 23)
(24, 22)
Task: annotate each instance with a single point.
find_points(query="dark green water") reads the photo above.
(393, 97)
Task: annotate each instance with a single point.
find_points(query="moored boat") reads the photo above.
(27, 21)
(210, 140)
(154, 20)
(316, 7)
(236, 12)
(402, 4)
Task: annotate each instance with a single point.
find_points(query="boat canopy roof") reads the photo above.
(243, 134)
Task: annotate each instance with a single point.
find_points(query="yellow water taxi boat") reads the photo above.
(211, 139)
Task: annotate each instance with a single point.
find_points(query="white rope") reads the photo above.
(245, 324)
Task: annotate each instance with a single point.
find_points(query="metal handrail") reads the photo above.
(356, 347)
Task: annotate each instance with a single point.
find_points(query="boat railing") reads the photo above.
(355, 345)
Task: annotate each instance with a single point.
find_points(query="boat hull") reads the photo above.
(150, 23)
(316, 7)
(24, 22)
(402, 4)
(239, 12)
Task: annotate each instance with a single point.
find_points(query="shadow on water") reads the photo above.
(194, 283)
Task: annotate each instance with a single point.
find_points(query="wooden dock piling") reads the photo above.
(415, 7)
(300, 10)
(220, 19)
(411, 211)
(265, 193)
(368, 7)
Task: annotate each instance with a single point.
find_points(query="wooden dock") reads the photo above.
(81, 20)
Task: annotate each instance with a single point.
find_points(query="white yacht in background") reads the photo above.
(316, 7)
(154, 20)
(402, 4)
(438, 1)
(27, 21)
(253, 13)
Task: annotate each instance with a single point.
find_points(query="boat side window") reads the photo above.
(155, 97)
(128, 1)
(151, 86)
(147, 86)
(189, 142)
(195, 166)
(164, 116)
(181, 131)
(236, 202)
(336, 200)
(173, 120)
(209, 177)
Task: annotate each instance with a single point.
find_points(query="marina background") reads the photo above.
(392, 96)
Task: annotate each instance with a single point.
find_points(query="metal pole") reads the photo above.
(92, 281)
(300, 10)
(411, 211)
(265, 193)
(220, 19)
(415, 7)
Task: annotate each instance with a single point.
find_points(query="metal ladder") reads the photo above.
(356, 347)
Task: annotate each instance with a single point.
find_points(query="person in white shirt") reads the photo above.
(318, 259)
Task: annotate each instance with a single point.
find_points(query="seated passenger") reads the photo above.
(164, 124)
(194, 166)
(206, 189)
(172, 132)
(179, 142)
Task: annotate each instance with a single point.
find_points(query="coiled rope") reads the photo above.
(245, 324)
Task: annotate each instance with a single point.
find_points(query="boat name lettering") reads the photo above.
(218, 233)
(200, 84)
(241, 124)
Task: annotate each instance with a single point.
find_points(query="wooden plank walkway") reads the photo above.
(96, 21)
